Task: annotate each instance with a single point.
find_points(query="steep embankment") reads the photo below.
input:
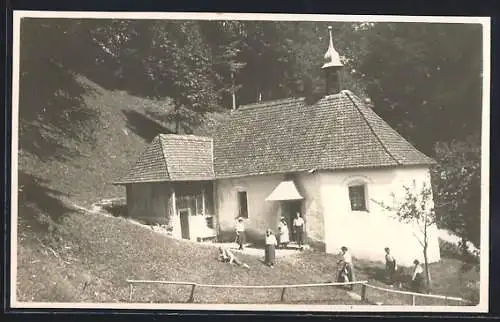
(78, 172)
(120, 132)
(96, 255)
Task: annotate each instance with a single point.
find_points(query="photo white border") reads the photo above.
(485, 158)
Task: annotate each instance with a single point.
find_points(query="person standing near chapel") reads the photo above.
(346, 266)
(283, 233)
(298, 228)
(390, 266)
(240, 233)
(270, 251)
(417, 278)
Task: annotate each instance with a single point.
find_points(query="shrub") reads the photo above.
(153, 221)
(456, 251)
(449, 250)
(117, 210)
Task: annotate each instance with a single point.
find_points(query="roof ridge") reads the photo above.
(192, 137)
(269, 103)
(350, 95)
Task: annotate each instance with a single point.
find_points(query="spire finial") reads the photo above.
(331, 56)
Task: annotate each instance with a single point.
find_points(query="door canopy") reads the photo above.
(286, 190)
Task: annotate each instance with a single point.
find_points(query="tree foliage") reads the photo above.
(50, 99)
(457, 186)
(425, 79)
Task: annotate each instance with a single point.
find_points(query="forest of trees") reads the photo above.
(425, 80)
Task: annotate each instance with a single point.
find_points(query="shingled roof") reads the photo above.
(337, 132)
(173, 158)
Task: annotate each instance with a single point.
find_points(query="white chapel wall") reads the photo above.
(368, 233)
(261, 214)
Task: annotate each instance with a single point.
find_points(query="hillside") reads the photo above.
(121, 132)
(97, 254)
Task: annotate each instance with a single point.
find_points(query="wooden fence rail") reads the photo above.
(364, 286)
(194, 285)
(364, 296)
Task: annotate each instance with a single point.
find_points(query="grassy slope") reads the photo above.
(447, 279)
(105, 251)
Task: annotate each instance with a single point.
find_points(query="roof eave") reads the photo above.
(121, 183)
(326, 168)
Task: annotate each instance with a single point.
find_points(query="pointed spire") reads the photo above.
(332, 57)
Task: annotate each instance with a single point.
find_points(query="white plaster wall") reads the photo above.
(366, 234)
(312, 210)
(261, 214)
(264, 214)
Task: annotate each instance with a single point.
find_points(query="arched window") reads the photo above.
(358, 191)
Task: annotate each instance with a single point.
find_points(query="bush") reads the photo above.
(449, 250)
(153, 221)
(117, 210)
(456, 251)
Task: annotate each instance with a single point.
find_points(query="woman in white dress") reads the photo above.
(283, 233)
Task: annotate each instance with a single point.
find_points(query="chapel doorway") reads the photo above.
(289, 211)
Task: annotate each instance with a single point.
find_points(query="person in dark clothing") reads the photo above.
(390, 266)
(346, 271)
(417, 279)
(270, 248)
(298, 228)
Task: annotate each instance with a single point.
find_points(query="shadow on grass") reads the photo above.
(35, 198)
(117, 210)
(144, 126)
(374, 273)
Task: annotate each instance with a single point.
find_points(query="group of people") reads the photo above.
(346, 271)
(282, 236)
(272, 241)
(417, 276)
(297, 231)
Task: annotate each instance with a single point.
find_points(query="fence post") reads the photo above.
(283, 294)
(363, 292)
(413, 299)
(191, 297)
(131, 287)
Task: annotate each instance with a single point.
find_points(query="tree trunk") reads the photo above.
(426, 265)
